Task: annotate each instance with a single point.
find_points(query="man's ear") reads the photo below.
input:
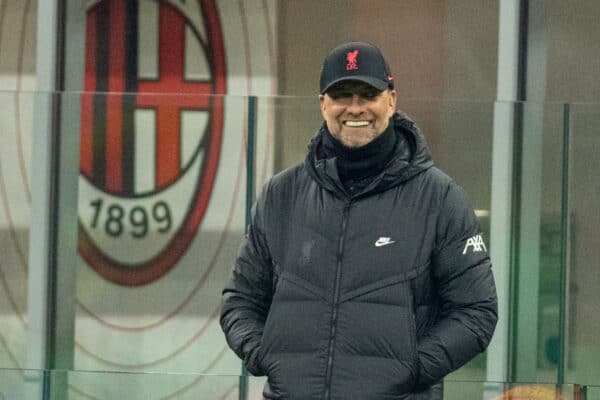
(322, 102)
(392, 101)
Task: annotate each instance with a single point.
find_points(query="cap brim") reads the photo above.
(376, 83)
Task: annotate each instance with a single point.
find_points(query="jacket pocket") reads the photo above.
(375, 351)
(292, 321)
(412, 307)
(378, 321)
(268, 328)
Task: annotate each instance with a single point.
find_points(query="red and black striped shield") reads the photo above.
(151, 126)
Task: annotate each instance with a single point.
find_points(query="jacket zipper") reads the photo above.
(334, 304)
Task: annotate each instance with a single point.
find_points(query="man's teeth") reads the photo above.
(356, 123)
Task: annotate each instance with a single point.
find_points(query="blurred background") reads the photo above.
(134, 135)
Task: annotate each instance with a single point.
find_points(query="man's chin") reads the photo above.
(353, 145)
(354, 141)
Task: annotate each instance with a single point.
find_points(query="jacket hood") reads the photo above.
(411, 157)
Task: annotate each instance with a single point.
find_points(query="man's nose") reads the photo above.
(356, 105)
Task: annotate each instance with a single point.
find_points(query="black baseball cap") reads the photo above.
(358, 61)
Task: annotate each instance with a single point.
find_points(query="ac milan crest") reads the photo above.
(151, 132)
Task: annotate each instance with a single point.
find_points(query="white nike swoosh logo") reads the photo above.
(383, 241)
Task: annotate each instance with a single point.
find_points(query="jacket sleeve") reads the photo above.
(467, 294)
(247, 296)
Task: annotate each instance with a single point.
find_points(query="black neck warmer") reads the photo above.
(356, 166)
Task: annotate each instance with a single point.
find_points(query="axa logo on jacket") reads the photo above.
(476, 242)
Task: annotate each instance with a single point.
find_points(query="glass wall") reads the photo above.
(152, 190)
(170, 325)
(581, 250)
(15, 220)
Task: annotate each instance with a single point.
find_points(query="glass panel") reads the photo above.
(592, 393)
(161, 215)
(537, 243)
(169, 323)
(541, 215)
(21, 384)
(16, 128)
(297, 120)
(459, 135)
(80, 385)
(85, 385)
(255, 387)
(583, 252)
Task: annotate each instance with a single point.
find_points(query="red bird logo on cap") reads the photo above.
(351, 58)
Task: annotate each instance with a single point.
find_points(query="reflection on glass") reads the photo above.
(158, 233)
(170, 325)
(583, 252)
(16, 116)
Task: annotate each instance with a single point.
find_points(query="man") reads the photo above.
(363, 274)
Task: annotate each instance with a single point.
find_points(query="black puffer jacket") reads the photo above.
(373, 296)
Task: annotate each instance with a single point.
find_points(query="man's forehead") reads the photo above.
(351, 86)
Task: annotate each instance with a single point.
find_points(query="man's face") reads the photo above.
(356, 112)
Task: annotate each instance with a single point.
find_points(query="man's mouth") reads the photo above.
(356, 124)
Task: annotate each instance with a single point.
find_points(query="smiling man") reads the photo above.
(358, 278)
